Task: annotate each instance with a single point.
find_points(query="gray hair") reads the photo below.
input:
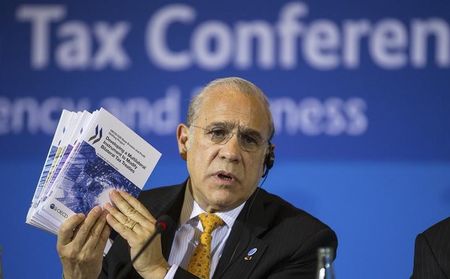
(238, 84)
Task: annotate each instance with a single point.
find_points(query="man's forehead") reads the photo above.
(240, 109)
(224, 103)
(230, 118)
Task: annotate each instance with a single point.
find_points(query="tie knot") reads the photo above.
(210, 221)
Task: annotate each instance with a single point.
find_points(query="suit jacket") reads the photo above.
(432, 252)
(286, 238)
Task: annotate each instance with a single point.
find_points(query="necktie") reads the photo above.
(200, 261)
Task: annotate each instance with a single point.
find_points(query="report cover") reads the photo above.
(67, 145)
(108, 156)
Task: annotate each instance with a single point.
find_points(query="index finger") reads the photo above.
(85, 228)
(67, 229)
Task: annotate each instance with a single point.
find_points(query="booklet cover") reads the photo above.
(106, 155)
(68, 142)
(109, 156)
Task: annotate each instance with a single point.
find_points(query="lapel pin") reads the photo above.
(250, 254)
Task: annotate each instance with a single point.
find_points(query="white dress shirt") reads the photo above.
(188, 234)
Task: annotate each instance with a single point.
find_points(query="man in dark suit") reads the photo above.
(227, 227)
(432, 252)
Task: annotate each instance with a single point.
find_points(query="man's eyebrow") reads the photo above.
(251, 132)
(223, 124)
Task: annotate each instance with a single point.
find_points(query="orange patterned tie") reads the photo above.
(200, 261)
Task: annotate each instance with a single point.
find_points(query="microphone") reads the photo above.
(163, 223)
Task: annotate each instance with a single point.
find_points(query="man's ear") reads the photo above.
(182, 139)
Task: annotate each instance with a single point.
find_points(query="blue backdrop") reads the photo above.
(359, 91)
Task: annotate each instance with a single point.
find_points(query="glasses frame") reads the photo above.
(238, 134)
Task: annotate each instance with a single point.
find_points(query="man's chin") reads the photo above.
(225, 202)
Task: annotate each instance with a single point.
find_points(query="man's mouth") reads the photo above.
(225, 176)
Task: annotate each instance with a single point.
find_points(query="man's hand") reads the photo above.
(81, 241)
(135, 224)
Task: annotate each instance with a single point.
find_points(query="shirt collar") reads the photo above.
(191, 209)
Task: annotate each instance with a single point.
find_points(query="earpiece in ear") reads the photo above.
(269, 160)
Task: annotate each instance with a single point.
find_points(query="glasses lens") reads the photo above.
(248, 142)
(221, 135)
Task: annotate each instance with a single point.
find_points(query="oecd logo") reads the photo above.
(60, 212)
(97, 136)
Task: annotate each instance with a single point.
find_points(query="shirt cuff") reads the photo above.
(171, 273)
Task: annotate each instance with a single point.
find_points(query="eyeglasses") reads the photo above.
(249, 140)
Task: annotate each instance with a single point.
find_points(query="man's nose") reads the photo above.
(231, 150)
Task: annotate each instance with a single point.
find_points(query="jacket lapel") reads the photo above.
(170, 204)
(174, 212)
(244, 248)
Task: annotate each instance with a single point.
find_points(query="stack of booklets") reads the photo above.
(90, 155)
